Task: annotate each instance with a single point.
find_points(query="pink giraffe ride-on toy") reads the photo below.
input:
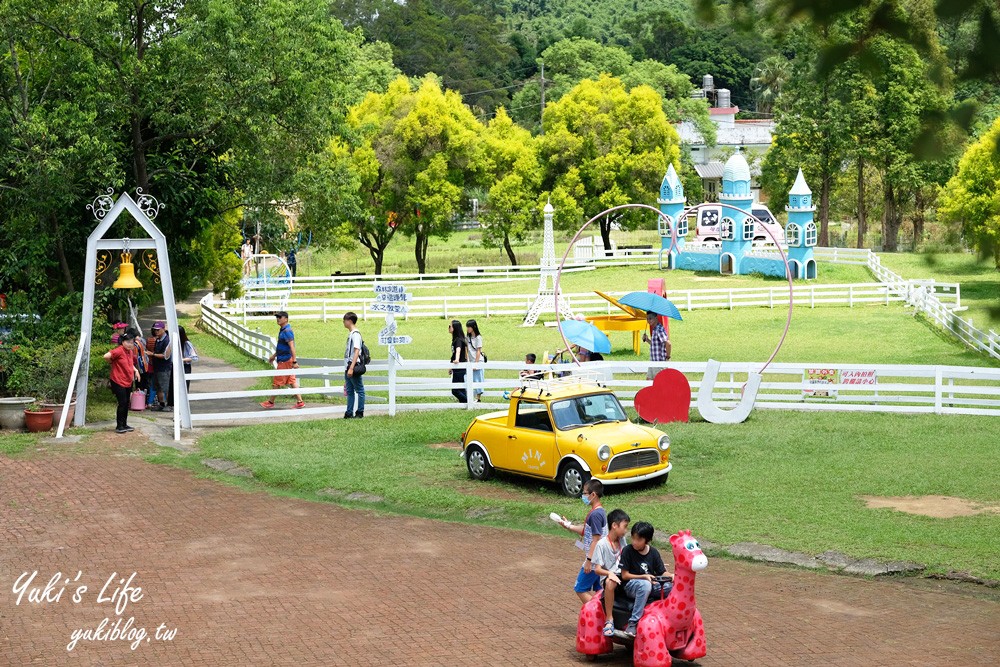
(669, 628)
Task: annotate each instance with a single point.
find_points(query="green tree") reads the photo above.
(769, 76)
(604, 146)
(570, 61)
(460, 40)
(515, 175)
(209, 105)
(905, 96)
(343, 201)
(972, 196)
(428, 147)
(813, 116)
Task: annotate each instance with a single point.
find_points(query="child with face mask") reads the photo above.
(593, 528)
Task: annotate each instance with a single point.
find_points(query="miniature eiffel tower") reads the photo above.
(545, 300)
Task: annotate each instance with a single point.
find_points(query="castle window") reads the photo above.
(682, 228)
(727, 229)
(810, 234)
(665, 224)
(793, 235)
(749, 227)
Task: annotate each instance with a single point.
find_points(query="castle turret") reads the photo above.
(671, 203)
(736, 228)
(800, 232)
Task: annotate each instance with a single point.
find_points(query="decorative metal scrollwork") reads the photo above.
(149, 261)
(101, 206)
(147, 203)
(103, 263)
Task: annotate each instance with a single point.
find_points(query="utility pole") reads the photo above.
(542, 115)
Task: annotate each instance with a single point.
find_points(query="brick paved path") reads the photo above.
(252, 579)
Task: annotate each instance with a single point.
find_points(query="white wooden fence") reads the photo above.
(425, 385)
(253, 343)
(809, 295)
(923, 296)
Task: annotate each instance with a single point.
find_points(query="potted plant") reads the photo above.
(38, 419)
(12, 411)
(13, 360)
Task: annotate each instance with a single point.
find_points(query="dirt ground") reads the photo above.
(938, 507)
(247, 578)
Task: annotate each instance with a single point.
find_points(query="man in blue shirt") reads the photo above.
(161, 365)
(284, 354)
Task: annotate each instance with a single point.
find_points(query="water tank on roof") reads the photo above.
(724, 100)
(707, 82)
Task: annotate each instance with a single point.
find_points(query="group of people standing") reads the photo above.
(286, 358)
(138, 365)
(466, 346)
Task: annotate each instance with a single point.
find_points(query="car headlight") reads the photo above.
(604, 452)
(664, 442)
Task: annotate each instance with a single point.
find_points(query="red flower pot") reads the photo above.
(38, 422)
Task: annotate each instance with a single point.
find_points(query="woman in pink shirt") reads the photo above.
(123, 372)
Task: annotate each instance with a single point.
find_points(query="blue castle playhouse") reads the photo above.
(737, 254)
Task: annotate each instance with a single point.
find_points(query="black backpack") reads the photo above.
(365, 356)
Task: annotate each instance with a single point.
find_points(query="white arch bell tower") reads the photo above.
(107, 210)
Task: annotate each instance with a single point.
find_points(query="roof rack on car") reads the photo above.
(573, 378)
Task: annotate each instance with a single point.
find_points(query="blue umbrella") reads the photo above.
(586, 335)
(651, 303)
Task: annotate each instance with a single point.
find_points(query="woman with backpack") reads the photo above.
(354, 368)
(459, 355)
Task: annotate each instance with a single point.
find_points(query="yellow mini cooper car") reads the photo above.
(566, 430)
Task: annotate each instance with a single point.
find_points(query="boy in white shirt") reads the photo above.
(606, 563)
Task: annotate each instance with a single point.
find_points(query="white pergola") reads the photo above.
(107, 210)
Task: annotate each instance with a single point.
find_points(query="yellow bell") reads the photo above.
(126, 274)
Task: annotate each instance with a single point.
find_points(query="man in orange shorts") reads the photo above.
(284, 353)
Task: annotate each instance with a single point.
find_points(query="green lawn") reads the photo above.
(980, 280)
(15, 443)
(788, 479)
(870, 334)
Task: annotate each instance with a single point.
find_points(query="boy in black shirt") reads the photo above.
(641, 564)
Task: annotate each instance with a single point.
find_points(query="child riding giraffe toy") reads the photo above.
(669, 628)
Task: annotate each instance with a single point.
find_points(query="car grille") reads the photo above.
(637, 459)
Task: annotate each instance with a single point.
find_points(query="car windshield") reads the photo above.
(587, 410)
(763, 215)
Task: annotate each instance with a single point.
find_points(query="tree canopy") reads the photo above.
(209, 105)
(603, 146)
(972, 196)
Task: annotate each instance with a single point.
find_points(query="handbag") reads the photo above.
(137, 400)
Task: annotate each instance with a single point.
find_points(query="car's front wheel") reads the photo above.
(572, 478)
(477, 463)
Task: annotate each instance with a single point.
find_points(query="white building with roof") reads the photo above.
(732, 135)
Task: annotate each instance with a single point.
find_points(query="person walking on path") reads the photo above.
(284, 353)
(459, 355)
(476, 355)
(123, 373)
(161, 365)
(353, 383)
(246, 254)
(659, 343)
(189, 354)
(292, 262)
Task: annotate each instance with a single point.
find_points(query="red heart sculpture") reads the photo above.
(668, 399)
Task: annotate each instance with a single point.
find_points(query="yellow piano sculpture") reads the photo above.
(633, 320)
